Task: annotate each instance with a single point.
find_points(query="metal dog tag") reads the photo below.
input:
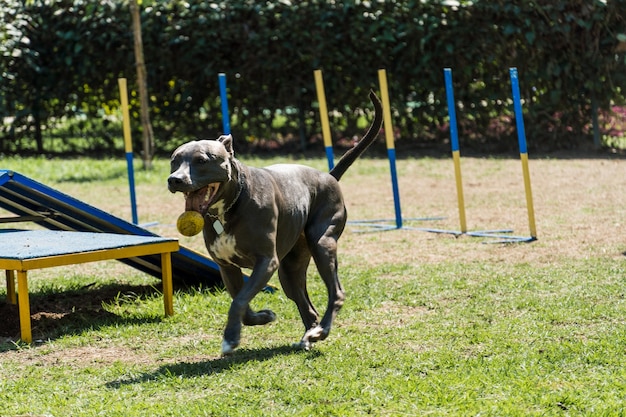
(217, 226)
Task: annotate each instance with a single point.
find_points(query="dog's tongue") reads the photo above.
(200, 200)
(196, 200)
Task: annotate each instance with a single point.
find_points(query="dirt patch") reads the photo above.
(65, 312)
(579, 209)
(9, 322)
(81, 356)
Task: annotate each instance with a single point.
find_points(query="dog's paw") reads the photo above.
(259, 318)
(228, 348)
(314, 334)
(303, 345)
(267, 315)
(311, 336)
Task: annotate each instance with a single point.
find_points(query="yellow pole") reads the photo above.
(125, 114)
(128, 145)
(384, 92)
(166, 273)
(11, 287)
(456, 156)
(321, 98)
(529, 196)
(24, 307)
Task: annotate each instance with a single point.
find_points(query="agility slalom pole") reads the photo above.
(456, 153)
(128, 146)
(224, 100)
(391, 149)
(321, 98)
(376, 225)
(521, 136)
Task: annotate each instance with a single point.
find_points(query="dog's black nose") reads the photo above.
(174, 183)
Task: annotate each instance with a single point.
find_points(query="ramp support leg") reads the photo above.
(11, 287)
(24, 307)
(168, 290)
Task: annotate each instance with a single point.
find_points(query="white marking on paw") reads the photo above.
(227, 349)
(314, 334)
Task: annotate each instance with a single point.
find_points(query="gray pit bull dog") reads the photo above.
(268, 219)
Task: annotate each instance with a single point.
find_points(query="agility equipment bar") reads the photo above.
(382, 224)
(456, 153)
(521, 136)
(24, 250)
(31, 201)
(391, 149)
(321, 98)
(224, 100)
(128, 146)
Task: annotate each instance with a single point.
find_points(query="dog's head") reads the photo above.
(199, 169)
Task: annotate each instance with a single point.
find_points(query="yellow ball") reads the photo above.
(190, 223)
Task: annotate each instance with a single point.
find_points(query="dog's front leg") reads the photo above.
(233, 280)
(263, 270)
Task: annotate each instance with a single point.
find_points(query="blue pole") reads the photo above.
(330, 157)
(224, 98)
(391, 155)
(454, 134)
(517, 105)
(131, 184)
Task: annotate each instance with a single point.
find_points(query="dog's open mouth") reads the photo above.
(200, 200)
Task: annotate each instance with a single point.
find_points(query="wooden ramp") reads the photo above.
(32, 201)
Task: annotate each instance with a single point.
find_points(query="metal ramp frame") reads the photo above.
(54, 210)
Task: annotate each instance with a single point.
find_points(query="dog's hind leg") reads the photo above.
(292, 275)
(324, 252)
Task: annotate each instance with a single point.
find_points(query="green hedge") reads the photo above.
(61, 59)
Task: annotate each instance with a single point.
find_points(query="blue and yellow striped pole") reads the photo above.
(391, 149)
(321, 98)
(224, 99)
(128, 145)
(456, 153)
(521, 135)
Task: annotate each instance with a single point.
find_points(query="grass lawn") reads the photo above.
(433, 324)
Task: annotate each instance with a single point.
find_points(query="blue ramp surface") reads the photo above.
(54, 210)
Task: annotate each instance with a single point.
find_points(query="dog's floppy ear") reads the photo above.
(227, 141)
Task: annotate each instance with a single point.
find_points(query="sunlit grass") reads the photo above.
(497, 336)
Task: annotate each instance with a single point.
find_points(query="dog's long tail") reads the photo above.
(349, 157)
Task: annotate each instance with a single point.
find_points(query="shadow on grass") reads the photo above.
(215, 366)
(70, 312)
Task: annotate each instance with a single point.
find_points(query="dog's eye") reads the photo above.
(202, 159)
(174, 163)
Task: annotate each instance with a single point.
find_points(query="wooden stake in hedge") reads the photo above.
(146, 132)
